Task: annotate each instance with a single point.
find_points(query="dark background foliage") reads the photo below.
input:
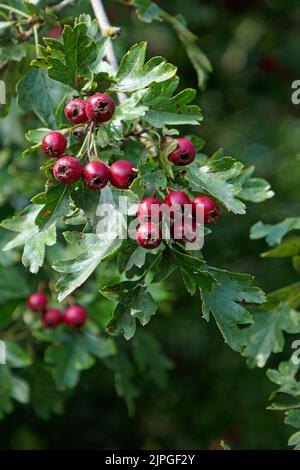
(211, 393)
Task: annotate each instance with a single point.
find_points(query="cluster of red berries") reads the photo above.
(73, 316)
(148, 234)
(99, 108)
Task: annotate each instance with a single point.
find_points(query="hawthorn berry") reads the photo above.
(184, 232)
(37, 301)
(95, 175)
(148, 208)
(148, 235)
(75, 315)
(100, 108)
(54, 144)
(67, 170)
(55, 33)
(75, 111)
(52, 318)
(211, 211)
(184, 153)
(122, 174)
(176, 200)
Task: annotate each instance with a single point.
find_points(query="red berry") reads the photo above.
(52, 318)
(184, 153)
(122, 174)
(149, 208)
(95, 175)
(100, 108)
(67, 170)
(54, 33)
(76, 315)
(54, 144)
(184, 232)
(148, 235)
(176, 200)
(211, 211)
(37, 301)
(75, 111)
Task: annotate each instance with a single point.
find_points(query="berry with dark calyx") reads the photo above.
(122, 174)
(52, 318)
(75, 315)
(75, 111)
(176, 200)
(149, 208)
(95, 175)
(37, 301)
(148, 235)
(210, 208)
(67, 170)
(184, 232)
(54, 144)
(100, 108)
(184, 153)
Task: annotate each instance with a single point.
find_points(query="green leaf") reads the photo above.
(286, 249)
(135, 302)
(11, 388)
(30, 236)
(152, 176)
(56, 203)
(15, 356)
(38, 93)
(13, 277)
(285, 377)
(70, 61)
(151, 361)
(254, 189)
(265, 335)
(124, 380)
(216, 178)
(167, 109)
(228, 304)
(70, 354)
(193, 272)
(274, 233)
(44, 396)
(134, 74)
(146, 10)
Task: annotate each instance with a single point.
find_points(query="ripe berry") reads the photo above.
(122, 174)
(184, 153)
(76, 315)
(67, 170)
(100, 108)
(95, 175)
(55, 33)
(176, 200)
(148, 235)
(184, 232)
(149, 208)
(54, 144)
(210, 208)
(52, 318)
(75, 111)
(37, 301)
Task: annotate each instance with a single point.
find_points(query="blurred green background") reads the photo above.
(254, 48)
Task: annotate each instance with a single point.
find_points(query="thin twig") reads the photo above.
(105, 26)
(60, 6)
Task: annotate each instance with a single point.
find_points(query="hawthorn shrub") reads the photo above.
(106, 132)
